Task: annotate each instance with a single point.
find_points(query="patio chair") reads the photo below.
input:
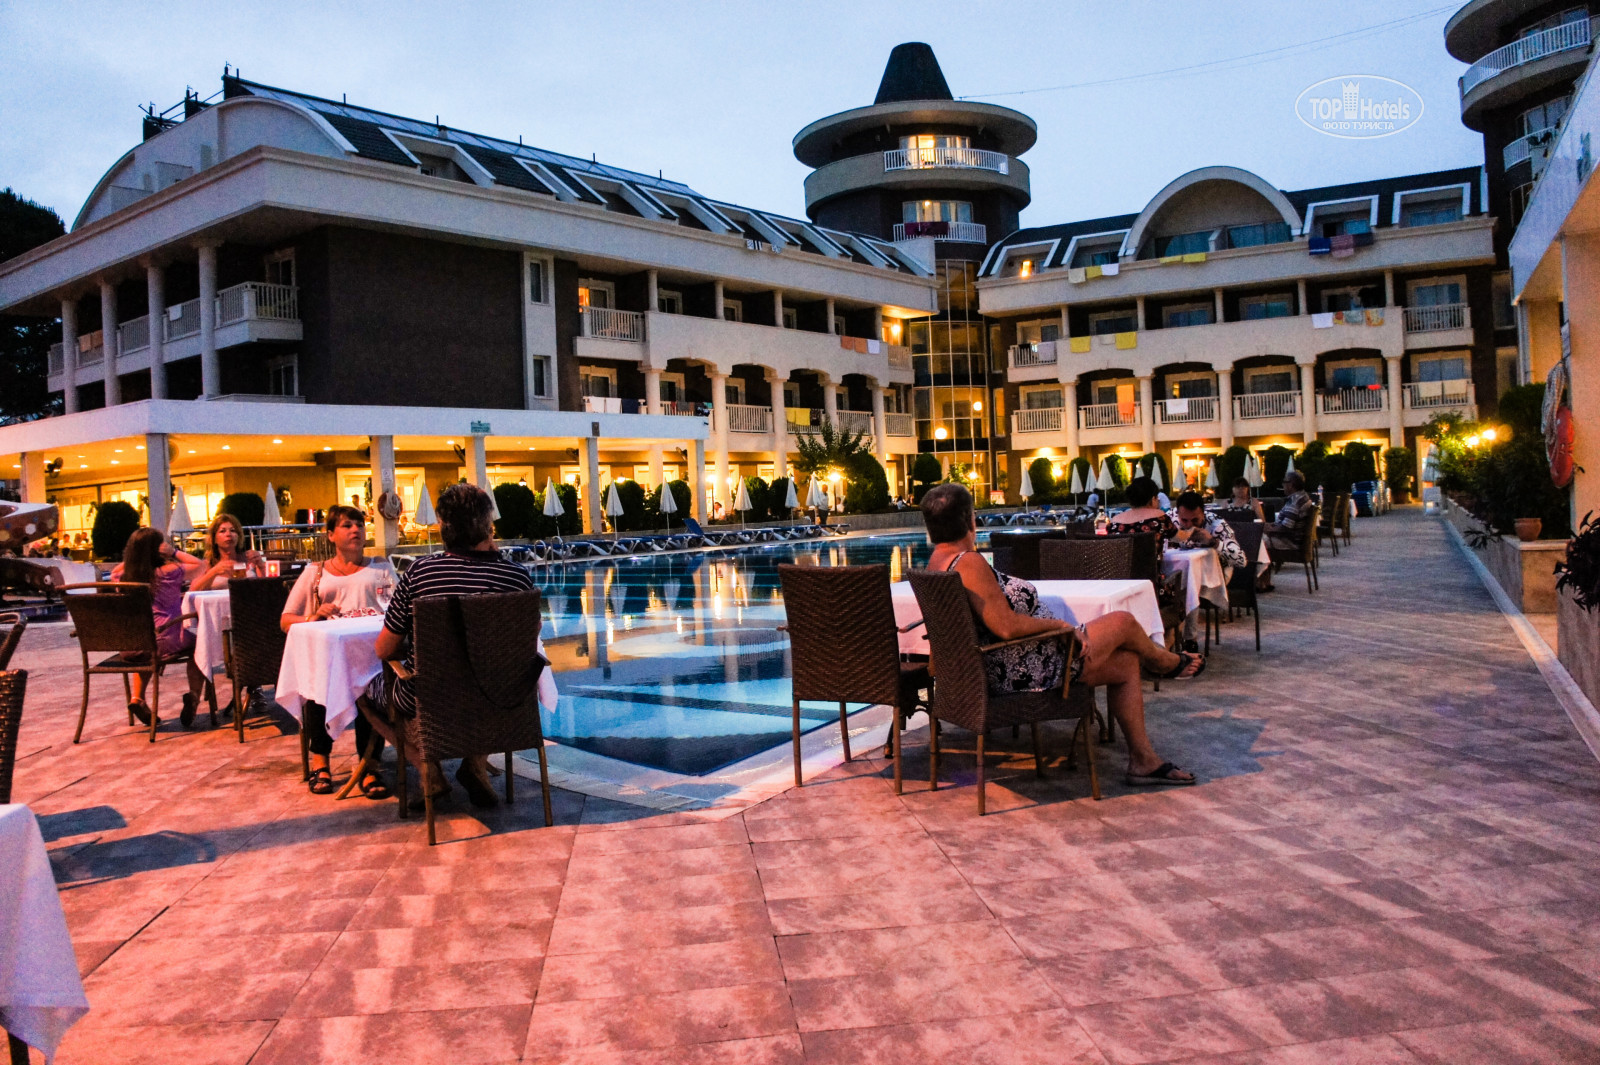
(696, 533)
(1341, 517)
(252, 645)
(843, 646)
(477, 687)
(118, 618)
(1304, 555)
(1328, 525)
(13, 686)
(1242, 584)
(961, 692)
(13, 637)
(1099, 558)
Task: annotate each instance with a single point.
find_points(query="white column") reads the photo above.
(652, 390)
(877, 324)
(1225, 402)
(719, 427)
(652, 290)
(1308, 399)
(478, 462)
(210, 365)
(1147, 412)
(385, 533)
(108, 342)
(697, 479)
(591, 485)
(1216, 296)
(780, 428)
(830, 313)
(33, 477)
(155, 283)
(1138, 310)
(158, 478)
(1388, 292)
(880, 427)
(69, 354)
(830, 399)
(777, 307)
(716, 300)
(1300, 296)
(1397, 425)
(1069, 398)
(1065, 329)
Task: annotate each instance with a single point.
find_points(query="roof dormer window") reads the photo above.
(1184, 243)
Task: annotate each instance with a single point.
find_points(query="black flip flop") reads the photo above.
(1184, 658)
(1161, 776)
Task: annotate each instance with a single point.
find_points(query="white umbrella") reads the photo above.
(181, 522)
(1211, 475)
(494, 505)
(816, 495)
(272, 517)
(1430, 465)
(1180, 479)
(667, 504)
(1287, 470)
(741, 498)
(1077, 487)
(424, 514)
(613, 506)
(1156, 475)
(552, 500)
(1252, 472)
(1027, 485)
(793, 499)
(1105, 482)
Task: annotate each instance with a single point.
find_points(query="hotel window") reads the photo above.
(1545, 117)
(921, 150)
(597, 382)
(1344, 224)
(1342, 375)
(935, 211)
(1570, 15)
(1038, 332)
(838, 325)
(283, 376)
(1095, 255)
(733, 391)
(1434, 293)
(538, 291)
(1195, 385)
(1345, 299)
(1041, 398)
(280, 267)
(732, 310)
(541, 376)
(791, 395)
(672, 388)
(791, 318)
(1255, 308)
(669, 302)
(596, 293)
(1187, 314)
(1505, 315)
(1121, 393)
(1269, 379)
(1261, 233)
(1431, 212)
(1104, 323)
(1441, 368)
(1184, 243)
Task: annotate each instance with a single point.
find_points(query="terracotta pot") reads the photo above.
(1528, 528)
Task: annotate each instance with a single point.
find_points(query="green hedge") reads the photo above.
(248, 507)
(114, 522)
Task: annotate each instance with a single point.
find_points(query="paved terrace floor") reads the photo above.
(1394, 858)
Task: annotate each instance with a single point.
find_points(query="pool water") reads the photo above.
(675, 662)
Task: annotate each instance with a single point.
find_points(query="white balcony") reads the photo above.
(896, 424)
(1438, 318)
(803, 420)
(604, 323)
(1534, 149)
(855, 421)
(1266, 405)
(743, 418)
(946, 158)
(1571, 35)
(1036, 420)
(1191, 409)
(1024, 355)
(1107, 415)
(1353, 400)
(722, 345)
(1434, 395)
(962, 232)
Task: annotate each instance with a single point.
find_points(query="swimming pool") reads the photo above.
(675, 662)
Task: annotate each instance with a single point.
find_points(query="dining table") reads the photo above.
(41, 994)
(213, 616)
(1079, 602)
(1203, 576)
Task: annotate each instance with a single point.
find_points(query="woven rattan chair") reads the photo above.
(477, 687)
(1099, 558)
(844, 649)
(1341, 516)
(1242, 583)
(253, 644)
(961, 692)
(13, 637)
(13, 686)
(1304, 555)
(1328, 524)
(118, 618)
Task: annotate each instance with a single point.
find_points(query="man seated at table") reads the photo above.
(1288, 531)
(1196, 528)
(469, 565)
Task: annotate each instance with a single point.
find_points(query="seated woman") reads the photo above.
(347, 584)
(1243, 500)
(469, 565)
(150, 559)
(1111, 651)
(227, 556)
(1142, 515)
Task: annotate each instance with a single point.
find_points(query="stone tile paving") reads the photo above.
(1393, 858)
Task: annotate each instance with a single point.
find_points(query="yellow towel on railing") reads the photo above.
(1080, 345)
(1128, 340)
(1195, 257)
(1172, 258)
(1092, 272)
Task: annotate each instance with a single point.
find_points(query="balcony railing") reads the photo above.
(966, 232)
(1266, 405)
(1191, 409)
(803, 419)
(1438, 317)
(1108, 415)
(133, 336)
(91, 348)
(1421, 395)
(855, 421)
(1033, 355)
(1535, 46)
(1037, 420)
(743, 418)
(1533, 148)
(183, 320)
(603, 323)
(942, 158)
(680, 408)
(899, 425)
(1347, 400)
(257, 299)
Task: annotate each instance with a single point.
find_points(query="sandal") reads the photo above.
(373, 787)
(1185, 659)
(321, 781)
(140, 712)
(191, 702)
(1161, 775)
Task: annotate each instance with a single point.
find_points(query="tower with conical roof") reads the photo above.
(919, 163)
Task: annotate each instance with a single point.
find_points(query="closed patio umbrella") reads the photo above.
(816, 495)
(1026, 491)
(1288, 469)
(1180, 480)
(1211, 476)
(741, 500)
(271, 515)
(424, 515)
(613, 507)
(1077, 487)
(792, 501)
(181, 523)
(552, 502)
(1252, 472)
(1157, 476)
(1105, 482)
(666, 504)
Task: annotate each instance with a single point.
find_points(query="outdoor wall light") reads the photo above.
(977, 406)
(1488, 434)
(940, 433)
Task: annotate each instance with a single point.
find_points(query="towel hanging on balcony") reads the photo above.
(1128, 340)
(859, 344)
(1322, 321)
(1342, 246)
(1172, 258)
(1319, 246)
(847, 344)
(1375, 316)
(1080, 345)
(1047, 351)
(1093, 271)
(874, 347)
(1076, 274)
(1110, 269)
(1195, 257)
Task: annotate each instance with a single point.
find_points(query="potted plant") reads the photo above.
(1579, 573)
(1398, 463)
(1528, 529)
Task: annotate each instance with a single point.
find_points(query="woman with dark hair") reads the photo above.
(1241, 499)
(150, 559)
(1142, 514)
(1111, 648)
(227, 556)
(469, 565)
(347, 585)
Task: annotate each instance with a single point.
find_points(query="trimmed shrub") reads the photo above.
(631, 494)
(1274, 464)
(868, 488)
(517, 509)
(1360, 462)
(1313, 464)
(1041, 472)
(777, 496)
(1399, 468)
(248, 507)
(114, 522)
(1521, 408)
(1230, 467)
(682, 495)
(927, 471)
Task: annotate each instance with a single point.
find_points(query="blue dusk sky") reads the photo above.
(1126, 95)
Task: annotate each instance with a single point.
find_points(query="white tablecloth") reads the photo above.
(215, 616)
(1077, 601)
(331, 662)
(41, 995)
(1202, 576)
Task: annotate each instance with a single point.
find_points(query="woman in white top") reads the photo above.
(226, 556)
(347, 585)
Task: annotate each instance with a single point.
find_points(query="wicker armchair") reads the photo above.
(961, 693)
(1328, 525)
(843, 646)
(118, 618)
(1242, 583)
(1098, 558)
(477, 688)
(13, 637)
(253, 644)
(1304, 555)
(13, 686)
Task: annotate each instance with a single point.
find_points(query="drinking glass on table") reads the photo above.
(385, 591)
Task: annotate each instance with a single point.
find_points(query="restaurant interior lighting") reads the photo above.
(277, 440)
(977, 406)
(940, 433)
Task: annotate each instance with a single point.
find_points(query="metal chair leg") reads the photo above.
(83, 711)
(980, 774)
(509, 775)
(933, 753)
(797, 781)
(544, 785)
(1094, 773)
(844, 731)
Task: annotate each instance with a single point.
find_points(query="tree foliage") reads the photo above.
(25, 341)
(517, 508)
(248, 507)
(114, 522)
